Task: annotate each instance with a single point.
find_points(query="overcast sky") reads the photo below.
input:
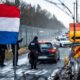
(61, 16)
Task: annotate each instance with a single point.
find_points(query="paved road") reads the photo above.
(7, 73)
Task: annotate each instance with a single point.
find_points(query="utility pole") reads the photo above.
(74, 22)
(76, 11)
(75, 19)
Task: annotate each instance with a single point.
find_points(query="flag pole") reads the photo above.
(15, 76)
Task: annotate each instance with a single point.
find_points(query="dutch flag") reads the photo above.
(9, 24)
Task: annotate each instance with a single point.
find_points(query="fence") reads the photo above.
(28, 32)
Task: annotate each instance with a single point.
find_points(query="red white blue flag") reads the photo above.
(9, 24)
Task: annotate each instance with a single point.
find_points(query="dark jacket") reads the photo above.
(3, 47)
(17, 44)
(34, 45)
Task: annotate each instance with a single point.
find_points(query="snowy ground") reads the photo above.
(7, 72)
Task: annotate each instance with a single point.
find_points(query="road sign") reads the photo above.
(74, 35)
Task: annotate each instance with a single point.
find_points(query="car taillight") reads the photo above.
(52, 50)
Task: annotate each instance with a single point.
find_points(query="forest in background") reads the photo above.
(35, 16)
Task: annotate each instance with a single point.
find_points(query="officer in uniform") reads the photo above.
(34, 48)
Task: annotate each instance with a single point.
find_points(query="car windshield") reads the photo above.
(46, 46)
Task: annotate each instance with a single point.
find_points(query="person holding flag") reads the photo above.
(9, 26)
(13, 50)
(2, 54)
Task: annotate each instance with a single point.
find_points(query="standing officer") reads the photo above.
(13, 50)
(34, 48)
(2, 54)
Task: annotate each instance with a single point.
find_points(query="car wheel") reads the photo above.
(58, 56)
(55, 58)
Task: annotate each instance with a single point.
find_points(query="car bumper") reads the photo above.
(52, 57)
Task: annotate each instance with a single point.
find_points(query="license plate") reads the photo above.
(42, 57)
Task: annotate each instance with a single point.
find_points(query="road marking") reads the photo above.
(5, 69)
(51, 77)
(36, 72)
